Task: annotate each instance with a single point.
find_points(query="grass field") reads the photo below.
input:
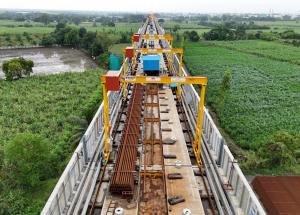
(280, 24)
(12, 32)
(117, 48)
(264, 96)
(272, 50)
(120, 27)
(50, 106)
(15, 27)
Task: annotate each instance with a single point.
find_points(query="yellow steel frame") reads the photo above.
(106, 120)
(202, 81)
(166, 37)
(169, 51)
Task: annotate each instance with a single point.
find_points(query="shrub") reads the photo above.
(251, 163)
(225, 32)
(47, 40)
(17, 67)
(226, 80)
(26, 158)
(290, 34)
(103, 59)
(280, 150)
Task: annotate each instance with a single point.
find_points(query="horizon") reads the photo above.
(167, 6)
(143, 12)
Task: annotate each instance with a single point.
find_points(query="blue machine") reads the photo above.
(151, 64)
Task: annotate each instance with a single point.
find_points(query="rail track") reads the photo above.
(153, 190)
(136, 168)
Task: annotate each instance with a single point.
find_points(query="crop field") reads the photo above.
(264, 97)
(183, 25)
(280, 24)
(15, 27)
(120, 27)
(272, 50)
(13, 33)
(57, 107)
(36, 104)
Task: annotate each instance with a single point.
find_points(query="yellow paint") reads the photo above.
(106, 121)
(198, 137)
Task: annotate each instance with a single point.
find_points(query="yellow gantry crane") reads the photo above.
(179, 80)
(169, 51)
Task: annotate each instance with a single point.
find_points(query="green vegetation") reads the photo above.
(41, 121)
(117, 48)
(14, 33)
(192, 36)
(281, 152)
(264, 94)
(273, 50)
(25, 159)
(16, 68)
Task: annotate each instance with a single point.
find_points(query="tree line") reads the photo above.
(95, 43)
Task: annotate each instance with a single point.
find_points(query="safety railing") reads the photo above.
(234, 183)
(68, 188)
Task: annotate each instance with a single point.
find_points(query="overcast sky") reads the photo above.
(200, 6)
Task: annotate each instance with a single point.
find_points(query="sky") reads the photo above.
(198, 6)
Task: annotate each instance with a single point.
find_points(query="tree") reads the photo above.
(100, 45)
(12, 69)
(194, 37)
(47, 40)
(16, 68)
(27, 66)
(44, 18)
(88, 40)
(82, 32)
(191, 35)
(26, 158)
(72, 38)
(176, 28)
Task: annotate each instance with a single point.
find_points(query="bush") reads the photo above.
(103, 60)
(224, 32)
(251, 163)
(192, 36)
(48, 40)
(289, 35)
(26, 158)
(16, 68)
(226, 80)
(280, 150)
(225, 86)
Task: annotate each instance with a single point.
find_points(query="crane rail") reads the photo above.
(74, 190)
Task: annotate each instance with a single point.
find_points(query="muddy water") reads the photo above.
(50, 60)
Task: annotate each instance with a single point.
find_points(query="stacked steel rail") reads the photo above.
(123, 176)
